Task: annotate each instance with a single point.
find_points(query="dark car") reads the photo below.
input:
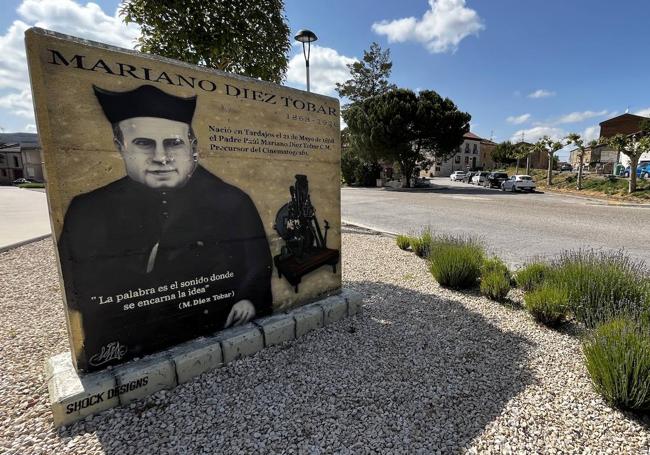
(21, 181)
(468, 177)
(495, 179)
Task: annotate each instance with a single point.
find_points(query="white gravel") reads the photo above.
(420, 370)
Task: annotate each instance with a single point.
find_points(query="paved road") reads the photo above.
(23, 215)
(514, 226)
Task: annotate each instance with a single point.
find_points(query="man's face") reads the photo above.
(157, 152)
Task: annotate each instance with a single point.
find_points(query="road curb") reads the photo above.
(11, 246)
(369, 228)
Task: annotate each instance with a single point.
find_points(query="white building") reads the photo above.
(468, 157)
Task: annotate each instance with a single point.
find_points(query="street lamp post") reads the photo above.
(306, 36)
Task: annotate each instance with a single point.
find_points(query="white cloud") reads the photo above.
(19, 103)
(86, 21)
(65, 16)
(643, 112)
(441, 28)
(537, 132)
(519, 119)
(590, 133)
(326, 68)
(575, 117)
(541, 93)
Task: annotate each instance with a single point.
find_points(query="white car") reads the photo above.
(519, 183)
(480, 177)
(457, 176)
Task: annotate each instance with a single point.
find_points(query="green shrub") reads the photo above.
(403, 242)
(455, 262)
(421, 245)
(601, 286)
(495, 279)
(495, 285)
(618, 360)
(547, 304)
(532, 275)
(495, 264)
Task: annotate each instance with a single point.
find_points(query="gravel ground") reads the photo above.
(420, 370)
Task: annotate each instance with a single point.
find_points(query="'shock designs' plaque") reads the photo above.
(164, 182)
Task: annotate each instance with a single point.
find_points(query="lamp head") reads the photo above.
(305, 36)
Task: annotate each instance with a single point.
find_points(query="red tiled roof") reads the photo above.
(470, 135)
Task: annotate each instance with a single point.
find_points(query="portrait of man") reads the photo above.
(169, 225)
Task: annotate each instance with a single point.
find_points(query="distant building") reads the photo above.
(536, 160)
(467, 157)
(486, 148)
(623, 124)
(600, 159)
(20, 157)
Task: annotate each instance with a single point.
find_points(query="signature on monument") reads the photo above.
(112, 351)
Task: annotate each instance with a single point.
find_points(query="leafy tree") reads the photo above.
(244, 37)
(402, 127)
(633, 145)
(503, 152)
(519, 152)
(369, 76)
(524, 150)
(550, 147)
(578, 142)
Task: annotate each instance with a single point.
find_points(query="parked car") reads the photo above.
(642, 170)
(21, 181)
(457, 176)
(479, 178)
(468, 177)
(566, 167)
(495, 179)
(518, 183)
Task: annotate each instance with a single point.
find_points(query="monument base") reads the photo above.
(74, 396)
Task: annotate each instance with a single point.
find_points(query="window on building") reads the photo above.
(467, 160)
(457, 159)
(475, 150)
(466, 148)
(16, 162)
(437, 168)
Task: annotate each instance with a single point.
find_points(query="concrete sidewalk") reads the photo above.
(23, 216)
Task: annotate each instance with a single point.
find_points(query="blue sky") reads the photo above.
(537, 67)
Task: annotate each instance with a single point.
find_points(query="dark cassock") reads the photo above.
(150, 267)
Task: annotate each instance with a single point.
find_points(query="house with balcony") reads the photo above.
(467, 157)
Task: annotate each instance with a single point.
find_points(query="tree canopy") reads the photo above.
(550, 147)
(240, 36)
(401, 126)
(504, 152)
(369, 77)
(633, 145)
(576, 140)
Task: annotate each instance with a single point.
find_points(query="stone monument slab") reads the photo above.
(183, 200)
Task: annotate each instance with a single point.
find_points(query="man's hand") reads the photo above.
(241, 312)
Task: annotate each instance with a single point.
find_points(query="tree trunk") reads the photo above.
(517, 167)
(407, 171)
(549, 177)
(528, 164)
(634, 162)
(579, 186)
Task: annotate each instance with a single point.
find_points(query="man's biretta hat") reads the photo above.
(145, 101)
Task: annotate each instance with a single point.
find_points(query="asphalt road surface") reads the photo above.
(514, 226)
